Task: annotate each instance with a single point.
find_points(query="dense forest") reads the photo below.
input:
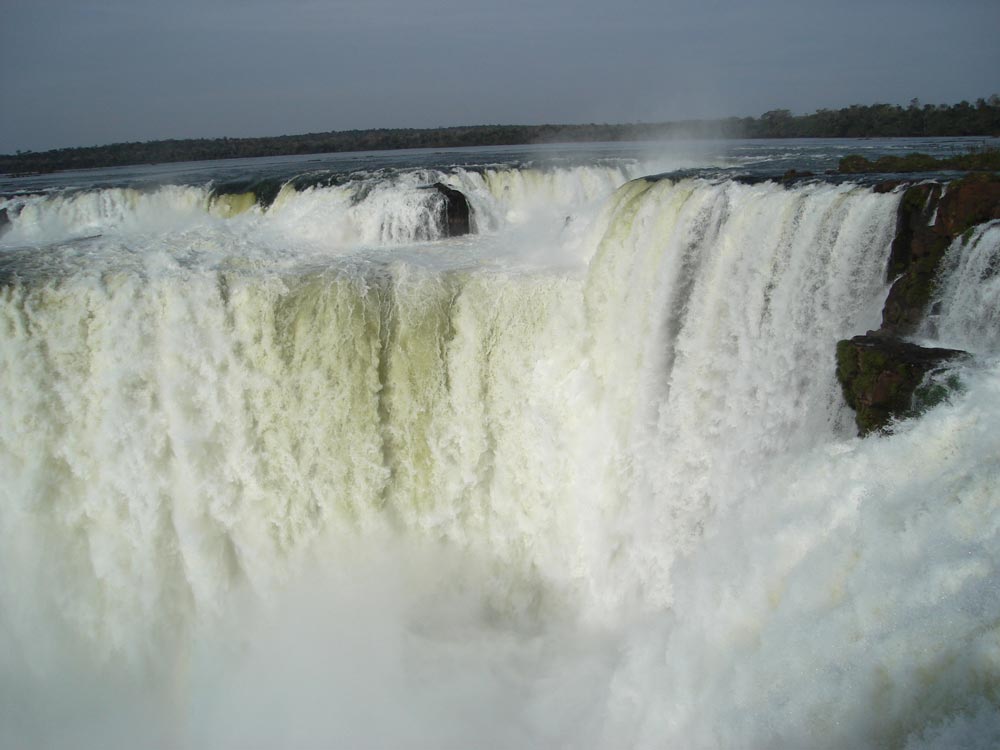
(856, 121)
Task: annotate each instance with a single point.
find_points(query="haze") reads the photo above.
(90, 73)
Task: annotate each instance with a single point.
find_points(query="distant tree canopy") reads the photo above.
(881, 120)
(856, 121)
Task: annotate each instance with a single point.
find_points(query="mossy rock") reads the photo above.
(930, 218)
(936, 388)
(854, 164)
(983, 160)
(884, 378)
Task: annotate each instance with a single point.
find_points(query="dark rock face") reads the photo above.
(913, 261)
(887, 186)
(971, 201)
(456, 218)
(264, 190)
(880, 376)
(920, 243)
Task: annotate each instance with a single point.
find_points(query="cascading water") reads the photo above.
(966, 313)
(298, 477)
(366, 209)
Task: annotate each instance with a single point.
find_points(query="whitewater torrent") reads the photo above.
(308, 475)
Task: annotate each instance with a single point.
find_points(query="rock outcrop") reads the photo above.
(881, 377)
(881, 374)
(986, 159)
(930, 217)
(240, 195)
(456, 216)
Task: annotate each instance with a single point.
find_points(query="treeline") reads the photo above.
(877, 120)
(881, 121)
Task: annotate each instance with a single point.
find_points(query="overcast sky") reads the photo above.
(87, 72)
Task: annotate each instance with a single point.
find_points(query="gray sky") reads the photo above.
(87, 72)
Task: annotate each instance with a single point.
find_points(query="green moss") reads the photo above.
(862, 372)
(914, 198)
(847, 371)
(912, 293)
(847, 366)
(984, 159)
(885, 379)
(916, 162)
(854, 164)
(936, 388)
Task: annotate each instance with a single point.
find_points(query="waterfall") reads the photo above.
(583, 479)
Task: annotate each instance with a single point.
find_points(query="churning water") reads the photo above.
(311, 474)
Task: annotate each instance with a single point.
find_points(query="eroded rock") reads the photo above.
(881, 374)
(930, 218)
(456, 216)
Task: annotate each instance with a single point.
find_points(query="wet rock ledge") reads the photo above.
(456, 213)
(883, 378)
(882, 375)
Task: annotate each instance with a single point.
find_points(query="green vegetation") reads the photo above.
(877, 120)
(935, 388)
(980, 160)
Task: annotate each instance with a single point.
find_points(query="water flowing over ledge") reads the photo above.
(310, 473)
